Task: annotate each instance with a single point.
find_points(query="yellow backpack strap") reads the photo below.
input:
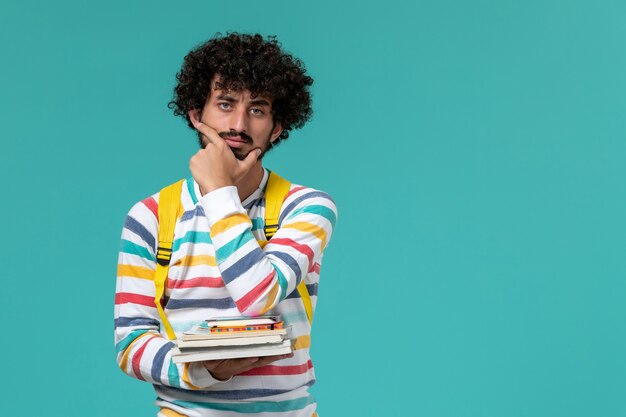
(170, 209)
(275, 193)
(306, 300)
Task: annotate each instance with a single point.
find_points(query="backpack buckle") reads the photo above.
(164, 255)
(270, 229)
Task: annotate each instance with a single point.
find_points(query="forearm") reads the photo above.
(147, 355)
(258, 279)
(142, 351)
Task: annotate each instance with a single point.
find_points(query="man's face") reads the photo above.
(244, 122)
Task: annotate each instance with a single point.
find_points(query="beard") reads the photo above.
(240, 154)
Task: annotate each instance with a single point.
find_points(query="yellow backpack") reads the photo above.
(171, 209)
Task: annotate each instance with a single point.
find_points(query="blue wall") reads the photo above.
(475, 150)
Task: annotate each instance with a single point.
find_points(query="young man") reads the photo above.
(242, 95)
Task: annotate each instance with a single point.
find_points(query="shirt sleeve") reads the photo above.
(259, 278)
(142, 351)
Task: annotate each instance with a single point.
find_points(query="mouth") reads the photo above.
(235, 141)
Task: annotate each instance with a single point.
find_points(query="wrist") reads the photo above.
(221, 203)
(208, 186)
(220, 377)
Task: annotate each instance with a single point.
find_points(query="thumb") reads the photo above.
(251, 159)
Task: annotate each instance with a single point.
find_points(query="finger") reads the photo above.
(269, 359)
(250, 159)
(225, 368)
(257, 364)
(213, 364)
(209, 132)
(247, 361)
(240, 364)
(262, 362)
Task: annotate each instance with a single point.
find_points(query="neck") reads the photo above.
(248, 184)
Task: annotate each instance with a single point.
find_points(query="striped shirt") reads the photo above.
(219, 269)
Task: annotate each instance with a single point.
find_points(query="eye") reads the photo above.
(224, 105)
(256, 112)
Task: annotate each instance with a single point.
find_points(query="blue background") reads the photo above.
(475, 151)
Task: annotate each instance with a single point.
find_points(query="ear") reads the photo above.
(276, 131)
(194, 116)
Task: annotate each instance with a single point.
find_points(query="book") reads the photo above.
(238, 324)
(249, 328)
(241, 321)
(203, 333)
(230, 352)
(230, 341)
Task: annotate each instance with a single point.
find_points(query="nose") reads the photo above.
(238, 120)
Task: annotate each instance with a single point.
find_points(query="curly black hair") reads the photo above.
(246, 62)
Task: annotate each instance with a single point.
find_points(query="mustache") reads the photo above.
(233, 133)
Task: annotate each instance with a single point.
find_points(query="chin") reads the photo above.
(239, 154)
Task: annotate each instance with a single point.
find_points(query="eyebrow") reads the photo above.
(260, 102)
(256, 101)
